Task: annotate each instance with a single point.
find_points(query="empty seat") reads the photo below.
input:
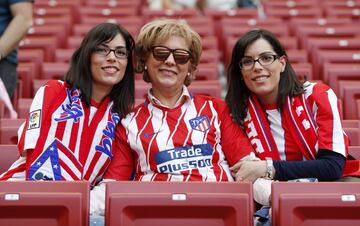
(322, 203)
(54, 70)
(354, 151)
(44, 203)
(53, 30)
(297, 22)
(149, 14)
(48, 44)
(334, 56)
(178, 204)
(23, 107)
(288, 13)
(26, 74)
(349, 92)
(9, 154)
(9, 129)
(334, 72)
(354, 135)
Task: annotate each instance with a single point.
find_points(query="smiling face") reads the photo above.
(107, 70)
(168, 76)
(263, 81)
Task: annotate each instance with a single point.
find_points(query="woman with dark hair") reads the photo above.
(294, 127)
(77, 117)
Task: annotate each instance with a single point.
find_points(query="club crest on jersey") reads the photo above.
(184, 158)
(34, 120)
(201, 123)
(56, 162)
(73, 110)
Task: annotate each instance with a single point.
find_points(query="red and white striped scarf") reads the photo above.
(297, 114)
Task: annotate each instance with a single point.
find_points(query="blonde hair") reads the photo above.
(159, 31)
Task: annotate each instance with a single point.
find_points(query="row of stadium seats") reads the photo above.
(178, 204)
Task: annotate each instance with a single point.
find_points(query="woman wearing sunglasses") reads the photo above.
(294, 127)
(174, 135)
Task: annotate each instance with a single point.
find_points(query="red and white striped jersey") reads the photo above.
(62, 139)
(195, 141)
(323, 103)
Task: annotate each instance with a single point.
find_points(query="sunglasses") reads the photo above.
(161, 53)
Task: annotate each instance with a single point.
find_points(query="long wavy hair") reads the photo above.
(238, 93)
(79, 74)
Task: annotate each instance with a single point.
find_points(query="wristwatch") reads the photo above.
(269, 168)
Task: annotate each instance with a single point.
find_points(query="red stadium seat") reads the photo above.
(73, 42)
(149, 14)
(354, 135)
(303, 71)
(26, 73)
(353, 13)
(210, 56)
(288, 13)
(354, 151)
(296, 22)
(343, 31)
(206, 87)
(244, 13)
(207, 71)
(315, 44)
(9, 154)
(358, 108)
(9, 129)
(37, 83)
(63, 55)
(53, 30)
(334, 56)
(65, 20)
(44, 203)
(54, 70)
(107, 12)
(292, 4)
(48, 44)
(210, 42)
(178, 204)
(32, 55)
(349, 92)
(23, 107)
(322, 203)
(334, 72)
(108, 3)
(2, 109)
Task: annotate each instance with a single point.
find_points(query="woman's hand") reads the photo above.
(248, 171)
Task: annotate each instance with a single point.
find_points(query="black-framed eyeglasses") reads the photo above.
(248, 63)
(120, 52)
(161, 53)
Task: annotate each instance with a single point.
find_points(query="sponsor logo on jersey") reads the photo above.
(108, 135)
(55, 163)
(201, 123)
(73, 110)
(184, 158)
(34, 119)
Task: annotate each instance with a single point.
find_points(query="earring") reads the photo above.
(145, 68)
(188, 74)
